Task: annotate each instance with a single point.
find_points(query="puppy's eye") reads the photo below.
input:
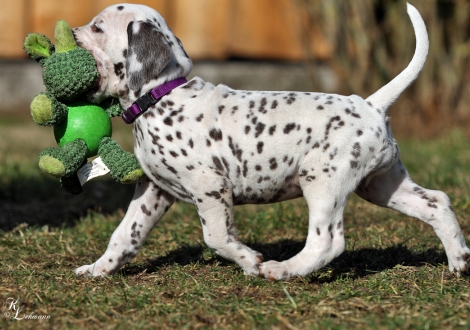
(96, 29)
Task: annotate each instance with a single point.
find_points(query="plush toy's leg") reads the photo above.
(64, 161)
(123, 165)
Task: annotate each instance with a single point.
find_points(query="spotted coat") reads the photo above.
(216, 147)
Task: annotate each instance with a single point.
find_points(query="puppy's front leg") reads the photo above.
(215, 208)
(325, 239)
(148, 206)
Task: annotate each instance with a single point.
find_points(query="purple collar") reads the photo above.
(147, 100)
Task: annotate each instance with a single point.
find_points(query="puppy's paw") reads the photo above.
(251, 264)
(461, 264)
(91, 271)
(274, 270)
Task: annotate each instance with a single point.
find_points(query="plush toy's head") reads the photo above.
(68, 70)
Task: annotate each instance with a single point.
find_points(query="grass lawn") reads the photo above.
(393, 274)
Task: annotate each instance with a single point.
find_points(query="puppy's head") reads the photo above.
(135, 51)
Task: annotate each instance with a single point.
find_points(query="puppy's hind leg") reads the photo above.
(394, 189)
(148, 206)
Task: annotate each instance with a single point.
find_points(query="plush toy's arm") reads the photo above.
(112, 107)
(47, 111)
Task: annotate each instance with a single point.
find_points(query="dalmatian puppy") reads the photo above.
(216, 147)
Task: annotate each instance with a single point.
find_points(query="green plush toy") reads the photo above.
(81, 129)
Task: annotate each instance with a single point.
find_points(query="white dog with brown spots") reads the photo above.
(216, 147)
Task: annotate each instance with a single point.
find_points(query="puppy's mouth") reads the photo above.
(99, 67)
(97, 85)
(96, 94)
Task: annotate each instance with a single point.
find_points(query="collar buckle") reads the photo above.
(146, 101)
(149, 99)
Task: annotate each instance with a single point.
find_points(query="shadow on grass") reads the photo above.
(41, 201)
(351, 264)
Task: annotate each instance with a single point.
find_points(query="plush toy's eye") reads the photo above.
(96, 29)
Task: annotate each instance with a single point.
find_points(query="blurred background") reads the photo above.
(339, 46)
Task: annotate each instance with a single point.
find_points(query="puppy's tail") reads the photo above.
(386, 96)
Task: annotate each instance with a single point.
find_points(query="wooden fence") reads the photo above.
(209, 29)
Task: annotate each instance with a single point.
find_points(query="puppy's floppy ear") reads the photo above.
(148, 53)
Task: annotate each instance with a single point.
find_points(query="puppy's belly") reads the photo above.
(267, 191)
(260, 190)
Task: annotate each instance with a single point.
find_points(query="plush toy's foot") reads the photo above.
(123, 165)
(61, 162)
(71, 184)
(50, 164)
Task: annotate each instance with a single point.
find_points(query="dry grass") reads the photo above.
(392, 275)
